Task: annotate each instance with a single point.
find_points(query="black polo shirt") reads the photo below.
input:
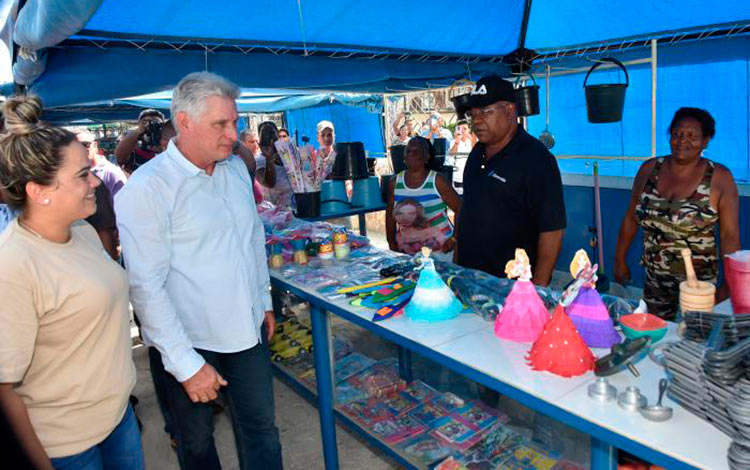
(508, 200)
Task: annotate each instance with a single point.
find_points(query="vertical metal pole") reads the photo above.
(653, 98)
(603, 455)
(363, 224)
(323, 368)
(404, 364)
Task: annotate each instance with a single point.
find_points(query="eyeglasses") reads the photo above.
(484, 113)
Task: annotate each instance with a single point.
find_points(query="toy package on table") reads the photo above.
(528, 457)
(481, 416)
(419, 391)
(380, 380)
(314, 278)
(474, 460)
(455, 432)
(425, 449)
(300, 365)
(486, 294)
(272, 217)
(347, 392)
(350, 365)
(344, 368)
(617, 306)
(453, 463)
(500, 441)
(400, 403)
(396, 430)
(427, 413)
(342, 347)
(449, 402)
(367, 412)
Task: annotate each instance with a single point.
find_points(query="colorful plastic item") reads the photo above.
(636, 325)
(524, 315)
(325, 249)
(737, 273)
(276, 260)
(299, 254)
(432, 300)
(587, 311)
(560, 349)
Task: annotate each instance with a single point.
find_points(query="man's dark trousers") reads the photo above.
(249, 396)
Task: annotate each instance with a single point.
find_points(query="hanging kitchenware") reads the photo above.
(605, 102)
(527, 98)
(546, 136)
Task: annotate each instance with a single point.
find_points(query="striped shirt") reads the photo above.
(420, 215)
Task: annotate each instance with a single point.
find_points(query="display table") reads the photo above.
(468, 346)
(358, 211)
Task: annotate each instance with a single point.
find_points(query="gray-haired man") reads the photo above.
(194, 247)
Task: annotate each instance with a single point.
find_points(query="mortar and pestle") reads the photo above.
(695, 295)
(657, 412)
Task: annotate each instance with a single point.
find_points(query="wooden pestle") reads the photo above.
(692, 279)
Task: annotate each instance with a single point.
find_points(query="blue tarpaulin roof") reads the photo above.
(562, 24)
(267, 101)
(133, 46)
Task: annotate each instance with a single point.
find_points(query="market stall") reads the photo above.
(466, 345)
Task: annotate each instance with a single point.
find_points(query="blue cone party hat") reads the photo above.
(432, 300)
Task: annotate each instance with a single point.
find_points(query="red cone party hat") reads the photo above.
(560, 349)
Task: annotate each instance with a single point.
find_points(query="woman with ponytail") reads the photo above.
(66, 369)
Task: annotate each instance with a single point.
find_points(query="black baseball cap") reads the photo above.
(489, 90)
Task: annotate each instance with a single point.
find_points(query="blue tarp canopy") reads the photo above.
(256, 101)
(113, 48)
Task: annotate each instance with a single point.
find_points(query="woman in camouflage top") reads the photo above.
(679, 200)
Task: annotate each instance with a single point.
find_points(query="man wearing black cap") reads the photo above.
(513, 195)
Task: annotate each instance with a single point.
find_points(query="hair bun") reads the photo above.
(22, 114)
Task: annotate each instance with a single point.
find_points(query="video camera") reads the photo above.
(152, 136)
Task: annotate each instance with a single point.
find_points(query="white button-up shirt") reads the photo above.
(194, 248)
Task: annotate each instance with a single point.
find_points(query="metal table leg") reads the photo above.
(325, 389)
(362, 224)
(404, 364)
(603, 455)
(276, 301)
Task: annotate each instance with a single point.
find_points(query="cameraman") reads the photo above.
(130, 155)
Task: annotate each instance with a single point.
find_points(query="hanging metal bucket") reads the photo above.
(605, 102)
(527, 98)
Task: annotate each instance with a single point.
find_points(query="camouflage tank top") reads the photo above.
(670, 225)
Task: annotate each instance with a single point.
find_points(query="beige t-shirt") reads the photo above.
(64, 335)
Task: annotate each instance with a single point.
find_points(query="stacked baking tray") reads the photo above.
(703, 379)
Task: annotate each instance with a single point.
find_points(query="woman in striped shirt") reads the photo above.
(418, 199)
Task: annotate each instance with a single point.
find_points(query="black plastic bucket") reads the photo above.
(351, 162)
(605, 102)
(440, 146)
(308, 204)
(398, 155)
(461, 104)
(527, 99)
(385, 181)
